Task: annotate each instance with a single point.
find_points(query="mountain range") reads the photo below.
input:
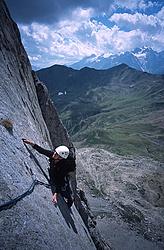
(120, 109)
(144, 59)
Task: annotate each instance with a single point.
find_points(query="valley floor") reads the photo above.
(126, 195)
(115, 231)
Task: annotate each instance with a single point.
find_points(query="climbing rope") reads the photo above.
(32, 156)
(11, 203)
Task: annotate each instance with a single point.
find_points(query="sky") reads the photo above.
(65, 31)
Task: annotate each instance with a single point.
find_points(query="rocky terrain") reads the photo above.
(126, 194)
(31, 221)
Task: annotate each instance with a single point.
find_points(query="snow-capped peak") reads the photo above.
(145, 59)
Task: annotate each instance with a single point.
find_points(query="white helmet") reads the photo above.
(63, 151)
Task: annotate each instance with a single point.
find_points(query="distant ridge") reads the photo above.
(143, 59)
(120, 108)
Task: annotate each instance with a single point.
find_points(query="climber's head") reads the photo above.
(61, 152)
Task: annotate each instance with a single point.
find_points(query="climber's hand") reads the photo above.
(55, 198)
(28, 142)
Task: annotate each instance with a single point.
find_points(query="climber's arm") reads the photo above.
(41, 150)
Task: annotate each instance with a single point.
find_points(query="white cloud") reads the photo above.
(34, 58)
(82, 14)
(145, 5)
(134, 5)
(25, 29)
(126, 4)
(137, 20)
(117, 40)
(160, 14)
(143, 29)
(72, 39)
(37, 31)
(63, 40)
(40, 32)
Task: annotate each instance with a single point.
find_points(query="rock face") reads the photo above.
(124, 192)
(57, 132)
(34, 222)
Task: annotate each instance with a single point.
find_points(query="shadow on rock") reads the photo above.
(67, 214)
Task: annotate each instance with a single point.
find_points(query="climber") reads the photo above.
(62, 170)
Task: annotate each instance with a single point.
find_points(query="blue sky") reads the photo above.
(63, 32)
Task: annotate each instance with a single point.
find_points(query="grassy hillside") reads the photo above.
(120, 109)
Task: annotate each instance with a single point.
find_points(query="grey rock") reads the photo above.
(128, 197)
(60, 136)
(90, 222)
(34, 222)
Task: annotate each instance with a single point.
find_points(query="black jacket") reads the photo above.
(57, 171)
